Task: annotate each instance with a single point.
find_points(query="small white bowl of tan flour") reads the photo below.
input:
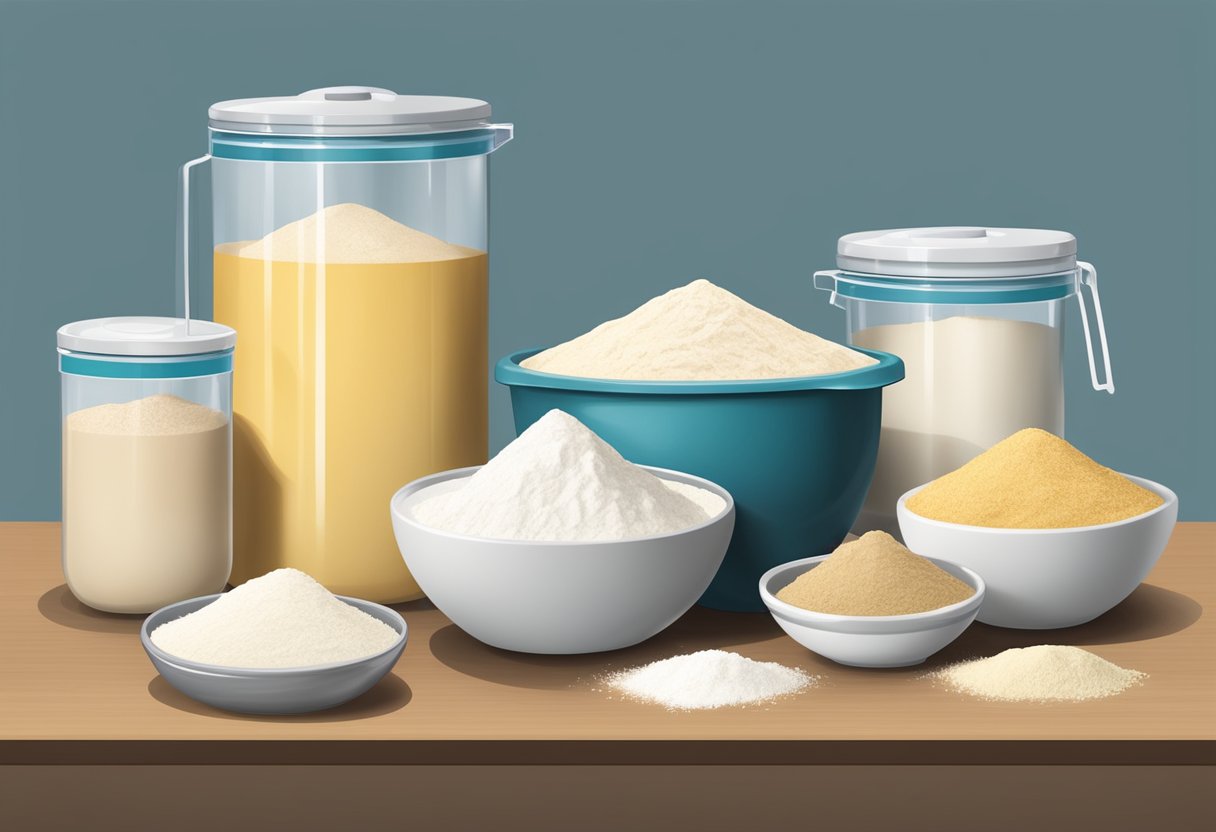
(559, 545)
(277, 644)
(873, 603)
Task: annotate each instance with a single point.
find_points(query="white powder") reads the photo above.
(969, 382)
(146, 503)
(697, 332)
(709, 679)
(1042, 673)
(282, 619)
(348, 233)
(559, 481)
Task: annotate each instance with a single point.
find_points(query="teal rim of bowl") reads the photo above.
(888, 370)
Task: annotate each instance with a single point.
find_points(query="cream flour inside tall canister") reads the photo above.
(977, 315)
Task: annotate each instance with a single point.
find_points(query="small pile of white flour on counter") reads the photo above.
(709, 679)
(282, 619)
(1044, 673)
(559, 481)
(698, 332)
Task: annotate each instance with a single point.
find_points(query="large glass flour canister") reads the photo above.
(977, 315)
(147, 460)
(350, 231)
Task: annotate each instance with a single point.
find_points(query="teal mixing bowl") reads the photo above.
(797, 454)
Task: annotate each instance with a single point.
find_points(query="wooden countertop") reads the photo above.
(76, 687)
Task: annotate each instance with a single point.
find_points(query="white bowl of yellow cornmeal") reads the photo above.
(1040, 579)
(1058, 537)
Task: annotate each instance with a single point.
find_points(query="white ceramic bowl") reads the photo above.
(1048, 578)
(560, 597)
(870, 640)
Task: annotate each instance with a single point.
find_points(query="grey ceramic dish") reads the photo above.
(279, 690)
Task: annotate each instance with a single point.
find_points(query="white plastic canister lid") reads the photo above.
(958, 251)
(347, 111)
(147, 336)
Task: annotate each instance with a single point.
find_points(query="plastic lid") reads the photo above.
(145, 336)
(958, 251)
(349, 111)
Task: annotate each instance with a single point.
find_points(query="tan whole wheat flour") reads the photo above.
(349, 233)
(697, 332)
(1043, 673)
(1032, 480)
(875, 575)
(145, 503)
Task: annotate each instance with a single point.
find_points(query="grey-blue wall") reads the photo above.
(656, 142)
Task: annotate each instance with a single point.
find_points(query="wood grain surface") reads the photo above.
(76, 687)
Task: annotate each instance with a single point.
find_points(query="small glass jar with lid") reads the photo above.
(147, 460)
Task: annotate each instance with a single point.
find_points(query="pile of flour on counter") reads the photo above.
(709, 679)
(559, 481)
(698, 332)
(1043, 673)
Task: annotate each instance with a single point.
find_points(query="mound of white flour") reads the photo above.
(559, 481)
(709, 679)
(698, 332)
(282, 619)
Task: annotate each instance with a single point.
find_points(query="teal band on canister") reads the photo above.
(109, 366)
(430, 147)
(955, 291)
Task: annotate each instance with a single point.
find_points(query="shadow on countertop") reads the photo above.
(1149, 612)
(60, 606)
(698, 629)
(389, 694)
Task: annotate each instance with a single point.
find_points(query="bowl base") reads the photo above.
(1065, 625)
(878, 665)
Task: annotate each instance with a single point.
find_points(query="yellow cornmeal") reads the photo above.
(1032, 480)
(875, 575)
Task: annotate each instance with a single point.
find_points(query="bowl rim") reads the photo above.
(431, 480)
(888, 370)
(1169, 499)
(811, 618)
(201, 601)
